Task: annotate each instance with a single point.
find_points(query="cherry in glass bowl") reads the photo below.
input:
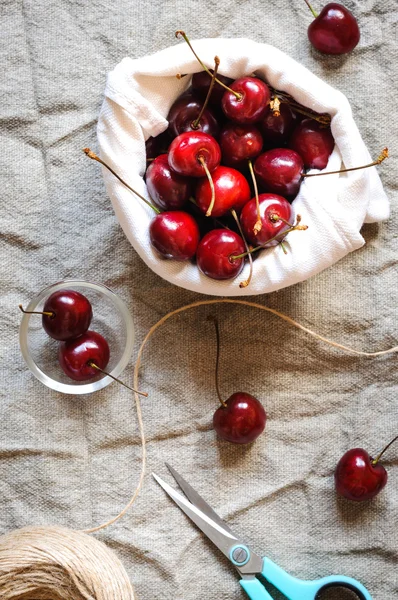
(111, 318)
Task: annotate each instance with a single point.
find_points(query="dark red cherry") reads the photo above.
(214, 252)
(357, 477)
(335, 30)
(274, 210)
(154, 146)
(276, 130)
(188, 148)
(72, 314)
(239, 143)
(201, 83)
(76, 355)
(231, 191)
(184, 112)
(314, 142)
(168, 189)
(174, 234)
(242, 420)
(252, 104)
(279, 171)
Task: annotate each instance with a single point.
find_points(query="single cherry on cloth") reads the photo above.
(359, 477)
(66, 314)
(313, 142)
(231, 188)
(335, 30)
(169, 190)
(214, 253)
(174, 234)
(248, 101)
(188, 151)
(78, 356)
(276, 217)
(280, 171)
(184, 112)
(239, 143)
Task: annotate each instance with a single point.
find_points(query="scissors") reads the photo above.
(248, 564)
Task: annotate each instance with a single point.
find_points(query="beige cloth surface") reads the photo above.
(75, 461)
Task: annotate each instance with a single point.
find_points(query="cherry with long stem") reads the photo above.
(378, 457)
(384, 154)
(184, 35)
(258, 224)
(195, 124)
(93, 156)
(97, 368)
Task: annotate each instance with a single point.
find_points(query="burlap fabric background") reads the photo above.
(75, 461)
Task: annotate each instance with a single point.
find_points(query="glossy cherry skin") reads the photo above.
(75, 355)
(252, 106)
(231, 191)
(280, 171)
(73, 314)
(174, 234)
(276, 130)
(214, 252)
(183, 113)
(185, 150)
(314, 142)
(201, 83)
(239, 143)
(168, 189)
(271, 206)
(335, 30)
(242, 420)
(356, 478)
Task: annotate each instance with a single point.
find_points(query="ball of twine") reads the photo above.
(56, 563)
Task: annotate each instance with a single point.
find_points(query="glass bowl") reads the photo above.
(111, 318)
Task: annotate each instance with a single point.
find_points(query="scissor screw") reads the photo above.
(239, 555)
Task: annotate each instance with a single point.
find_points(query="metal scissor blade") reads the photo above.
(197, 500)
(223, 539)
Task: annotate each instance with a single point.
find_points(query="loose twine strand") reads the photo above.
(56, 563)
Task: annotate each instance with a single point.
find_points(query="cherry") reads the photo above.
(335, 30)
(214, 252)
(184, 113)
(201, 83)
(154, 146)
(191, 152)
(314, 142)
(168, 189)
(249, 103)
(78, 356)
(276, 215)
(359, 477)
(174, 234)
(280, 171)
(239, 143)
(277, 125)
(66, 315)
(231, 191)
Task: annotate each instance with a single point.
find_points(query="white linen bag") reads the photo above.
(138, 96)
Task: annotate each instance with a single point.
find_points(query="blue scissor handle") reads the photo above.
(298, 589)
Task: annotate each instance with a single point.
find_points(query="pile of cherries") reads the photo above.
(225, 140)
(66, 317)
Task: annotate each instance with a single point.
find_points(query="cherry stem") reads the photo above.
(94, 366)
(275, 104)
(92, 155)
(307, 112)
(52, 315)
(311, 9)
(378, 161)
(283, 247)
(376, 460)
(296, 227)
(184, 35)
(195, 124)
(209, 177)
(258, 224)
(215, 321)
(246, 282)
